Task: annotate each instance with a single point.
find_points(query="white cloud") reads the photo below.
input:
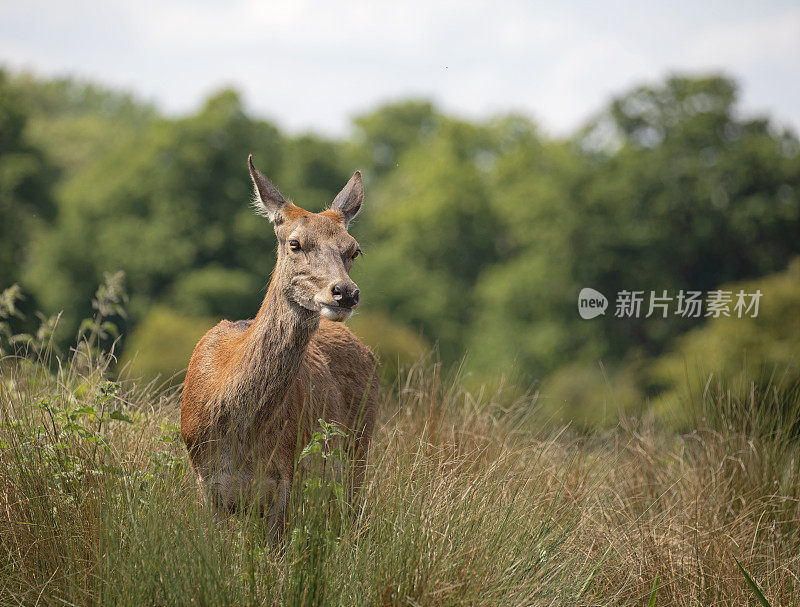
(750, 44)
(311, 65)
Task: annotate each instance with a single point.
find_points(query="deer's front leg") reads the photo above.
(276, 517)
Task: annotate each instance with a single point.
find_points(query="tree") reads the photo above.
(312, 171)
(668, 190)
(431, 229)
(752, 352)
(478, 235)
(26, 182)
(694, 197)
(382, 136)
(74, 122)
(524, 313)
(170, 204)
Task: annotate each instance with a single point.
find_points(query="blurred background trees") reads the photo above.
(26, 183)
(478, 235)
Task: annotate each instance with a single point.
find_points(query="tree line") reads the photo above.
(478, 235)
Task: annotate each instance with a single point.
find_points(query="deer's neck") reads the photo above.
(275, 345)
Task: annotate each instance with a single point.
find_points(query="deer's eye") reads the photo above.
(294, 245)
(356, 253)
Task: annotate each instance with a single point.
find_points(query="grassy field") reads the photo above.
(470, 500)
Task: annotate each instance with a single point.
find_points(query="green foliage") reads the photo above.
(171, 201)
(435, 229)
(97, 335)
(398, 347)
(38, 343)
(682, 194)
(8, 310)
(478, 235)
(26, 182)
(75, 122)
(109, 300)
(214, 290)
(312, 171)
(73, 422)
(162, 343)
(525, 314)
(695, 197)
(321, 515)
(320, 443)
(382, 136)
(739, 351)
(592, 394)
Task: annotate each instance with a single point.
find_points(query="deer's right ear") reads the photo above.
(268, 199)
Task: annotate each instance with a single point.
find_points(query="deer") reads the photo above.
(255, 389)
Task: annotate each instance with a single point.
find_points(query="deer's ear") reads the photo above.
(268, 199)
(348, 201)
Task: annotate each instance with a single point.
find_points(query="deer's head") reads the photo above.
(315, 252)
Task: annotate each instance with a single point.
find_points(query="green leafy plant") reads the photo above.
(8, 310)
(70, 433)
(38, 343)
(326, 467)
(321, 515)
(107, 303)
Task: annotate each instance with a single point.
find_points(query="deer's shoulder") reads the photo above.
(337, 341)
(335, 352)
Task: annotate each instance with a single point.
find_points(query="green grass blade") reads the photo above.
(594, 571)
(652, 602)
(761, 598)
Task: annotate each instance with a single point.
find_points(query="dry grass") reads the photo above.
(470, 500)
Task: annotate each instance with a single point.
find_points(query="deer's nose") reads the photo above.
(345, 295)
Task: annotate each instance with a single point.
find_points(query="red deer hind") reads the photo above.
(255, 388)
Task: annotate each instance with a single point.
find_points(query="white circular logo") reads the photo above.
(591, 303)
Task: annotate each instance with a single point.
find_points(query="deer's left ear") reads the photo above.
(348, 201)
(270, 202)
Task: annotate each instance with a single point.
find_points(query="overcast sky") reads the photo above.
(311, 65)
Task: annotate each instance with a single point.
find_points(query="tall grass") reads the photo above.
(469, 499)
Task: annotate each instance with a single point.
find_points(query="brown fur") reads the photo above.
(254, 390)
